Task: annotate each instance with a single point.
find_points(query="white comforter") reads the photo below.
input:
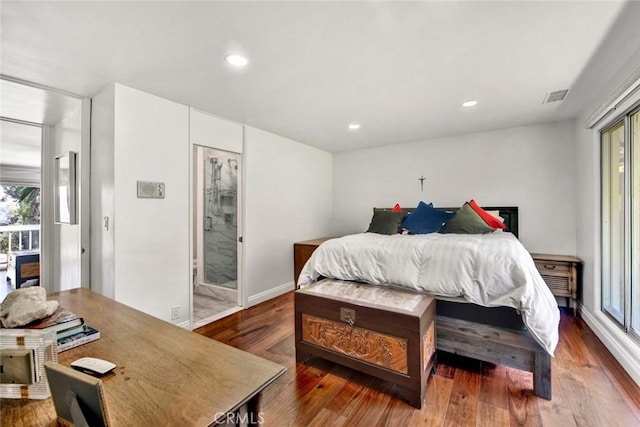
(489, 269)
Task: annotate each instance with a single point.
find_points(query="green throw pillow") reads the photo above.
(385, 221)
(466, 221)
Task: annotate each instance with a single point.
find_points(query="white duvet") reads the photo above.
(485, 269)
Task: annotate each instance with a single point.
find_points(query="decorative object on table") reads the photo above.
(23, 306)
(71, 389)
(23, 353)
(65, 188)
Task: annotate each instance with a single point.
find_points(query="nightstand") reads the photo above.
(302, 252)
(561, 274)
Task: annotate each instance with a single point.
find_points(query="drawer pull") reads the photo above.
(550, 267)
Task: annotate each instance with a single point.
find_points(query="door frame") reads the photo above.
(196, 221)
(47, 227)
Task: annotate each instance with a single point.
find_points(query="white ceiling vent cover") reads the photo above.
(558, 95)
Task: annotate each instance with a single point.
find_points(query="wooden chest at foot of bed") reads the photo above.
(381, 331)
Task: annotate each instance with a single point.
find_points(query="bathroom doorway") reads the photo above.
(217, 237)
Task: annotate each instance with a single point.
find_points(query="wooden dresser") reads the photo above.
(562, 274)
(302, 252)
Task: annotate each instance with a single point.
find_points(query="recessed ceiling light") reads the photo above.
(354, 126)
(236, 60)
(469, 103)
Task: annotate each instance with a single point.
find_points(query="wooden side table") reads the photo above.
(561, 274)
(302, 252)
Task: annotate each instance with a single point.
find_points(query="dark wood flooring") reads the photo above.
(590, 388)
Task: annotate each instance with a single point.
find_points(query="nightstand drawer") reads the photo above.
(553, 268)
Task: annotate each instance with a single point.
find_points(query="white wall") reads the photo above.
(287, 199)
(143, 259)
(145, 138)
(102, 192)
(66, 237)
(530, 167)
(152, 267)
(587, 149)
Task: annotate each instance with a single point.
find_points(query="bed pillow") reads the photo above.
(385, 221)
(466, 221)
(425, 219)
(396, 208)
(486, 216)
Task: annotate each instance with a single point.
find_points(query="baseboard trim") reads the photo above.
(270, 293)
(621, 346)
(198, 323)
(186, 324)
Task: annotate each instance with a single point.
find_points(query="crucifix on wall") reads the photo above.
(421, 179)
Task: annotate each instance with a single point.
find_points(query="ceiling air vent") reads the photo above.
(558, 95)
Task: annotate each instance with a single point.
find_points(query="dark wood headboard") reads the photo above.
(509, 213)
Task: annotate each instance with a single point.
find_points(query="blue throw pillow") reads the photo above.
(425, 219)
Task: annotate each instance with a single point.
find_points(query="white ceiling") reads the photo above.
(35, 104)
(400, 69)
(20, 145)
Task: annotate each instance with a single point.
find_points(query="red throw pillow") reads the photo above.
(486, 216)
(396, 208)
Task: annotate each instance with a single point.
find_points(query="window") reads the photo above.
(620, 154)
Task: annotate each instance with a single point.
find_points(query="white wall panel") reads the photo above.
(211, 131)
(152, 235)
(66, 237)
(143, 259)
(530, 167)
(102, 193)
(287, 199)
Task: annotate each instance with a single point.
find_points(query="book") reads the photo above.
(71, 331)
(88, 335)
(60, 320)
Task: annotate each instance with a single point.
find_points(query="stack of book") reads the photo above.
(70, 329)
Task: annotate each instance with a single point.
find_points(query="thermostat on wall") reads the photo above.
(150, 190)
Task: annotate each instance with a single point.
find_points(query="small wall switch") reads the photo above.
(175, 312)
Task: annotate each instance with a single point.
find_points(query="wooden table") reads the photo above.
(166, 375)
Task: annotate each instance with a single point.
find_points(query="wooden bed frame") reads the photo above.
(494, 344)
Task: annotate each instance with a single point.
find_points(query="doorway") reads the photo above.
(61, 121)
(218, 221)
(20, 151)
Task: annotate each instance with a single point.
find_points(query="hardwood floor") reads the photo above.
(590, 388)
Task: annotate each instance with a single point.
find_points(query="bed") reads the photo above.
(492, 303)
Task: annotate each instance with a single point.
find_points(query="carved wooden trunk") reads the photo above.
(384, 332)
